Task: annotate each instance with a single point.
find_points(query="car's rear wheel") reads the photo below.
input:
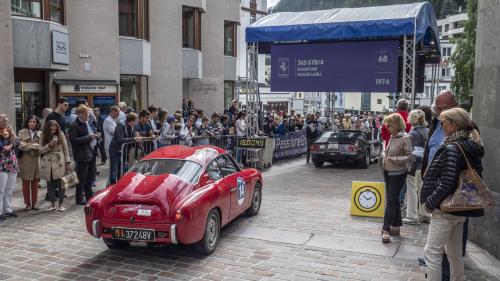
(256, 200)
(318, 162)
(114, 243)
(210, 239)
(365, 162)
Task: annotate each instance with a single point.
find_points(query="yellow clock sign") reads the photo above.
(367, 199)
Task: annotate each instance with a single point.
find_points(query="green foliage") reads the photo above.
(464, 55)
(442, 7)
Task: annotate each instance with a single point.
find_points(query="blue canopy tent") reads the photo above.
(365, 23)
(414, 25)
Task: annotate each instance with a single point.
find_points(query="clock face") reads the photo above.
(367, 199)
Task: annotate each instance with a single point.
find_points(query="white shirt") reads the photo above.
(241, 128)
(108, 127)
(121, 118)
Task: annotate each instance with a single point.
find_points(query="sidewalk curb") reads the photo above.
(482, 260)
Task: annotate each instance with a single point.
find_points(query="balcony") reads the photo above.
(40, 44)
(201, 4)
(192, 62)
(135, 56)
(229, 68)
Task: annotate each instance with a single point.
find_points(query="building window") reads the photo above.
(228, 93)
(230, 39)
(133, 18)
(445, 72)
(379, 101)
(127, 14)
(191, 28)
(446, 27)
(26, 8)
(57, 11)
(50, 10)
(132, 89)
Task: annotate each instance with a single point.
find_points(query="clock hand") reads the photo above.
(364, 197)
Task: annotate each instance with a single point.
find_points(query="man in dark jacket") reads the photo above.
(124, 133)
(84, 139)
(312, 133)
(99, 123)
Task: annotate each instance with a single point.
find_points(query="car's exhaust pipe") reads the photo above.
(173, 234)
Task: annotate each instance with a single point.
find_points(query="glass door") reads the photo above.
(29, 99)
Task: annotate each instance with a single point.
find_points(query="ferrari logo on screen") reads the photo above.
(284, 68)
(241, 191)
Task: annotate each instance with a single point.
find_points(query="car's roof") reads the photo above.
(200, 154)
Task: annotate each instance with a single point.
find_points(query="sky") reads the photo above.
(271, 3)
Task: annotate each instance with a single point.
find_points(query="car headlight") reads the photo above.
(322, 146)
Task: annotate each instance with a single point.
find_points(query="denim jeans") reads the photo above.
(114, 166)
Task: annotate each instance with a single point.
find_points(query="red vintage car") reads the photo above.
(175, 195)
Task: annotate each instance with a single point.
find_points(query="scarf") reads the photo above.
(458, 135)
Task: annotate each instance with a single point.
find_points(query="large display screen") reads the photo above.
(368, 66)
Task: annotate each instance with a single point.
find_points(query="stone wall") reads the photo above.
(485, 231)
(6, 63)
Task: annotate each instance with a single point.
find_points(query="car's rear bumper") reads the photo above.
(164, 233)
(338, 156)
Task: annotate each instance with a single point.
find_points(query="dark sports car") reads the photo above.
(345, 146)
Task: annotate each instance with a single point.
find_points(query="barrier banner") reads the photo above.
(289, 146)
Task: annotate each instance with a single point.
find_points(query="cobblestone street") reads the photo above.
(303, 232)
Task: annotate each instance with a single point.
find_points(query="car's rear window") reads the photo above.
(189, 171)
(344, 135)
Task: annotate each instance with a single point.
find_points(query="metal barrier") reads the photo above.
(131, 152)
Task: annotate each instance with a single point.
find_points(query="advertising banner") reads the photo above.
(289, 146)
(368, 66)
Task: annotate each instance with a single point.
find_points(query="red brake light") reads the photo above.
(178, 216)
(314, 147)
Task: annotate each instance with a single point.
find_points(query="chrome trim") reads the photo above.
(233, 189)
(173, 234)
(95, 228)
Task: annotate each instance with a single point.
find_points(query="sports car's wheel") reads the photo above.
(365, 162)
(114, 243)
(210, 239)
(256, 200)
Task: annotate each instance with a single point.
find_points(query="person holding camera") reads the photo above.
(84, 138)
(54, 162)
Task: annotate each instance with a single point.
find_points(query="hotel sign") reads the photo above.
(60, 47)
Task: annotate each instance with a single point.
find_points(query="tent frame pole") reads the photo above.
(409, 64)
(252, 90)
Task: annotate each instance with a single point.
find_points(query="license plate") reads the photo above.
(133, 234)
(333, 146)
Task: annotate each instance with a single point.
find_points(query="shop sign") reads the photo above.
(60, 47)
(88, 88)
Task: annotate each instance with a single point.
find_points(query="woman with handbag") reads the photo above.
(418, 135)
(8, 167)
(29, 146)
(395, 158)
(54, 162)
(461, 149)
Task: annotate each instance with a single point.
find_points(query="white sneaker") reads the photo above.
(51, 208)
(411, 221)
(61, 209)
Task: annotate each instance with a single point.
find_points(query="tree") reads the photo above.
(464, 55)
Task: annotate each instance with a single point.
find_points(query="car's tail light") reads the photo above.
(178, 216)
(315, 147)
(352, 148)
